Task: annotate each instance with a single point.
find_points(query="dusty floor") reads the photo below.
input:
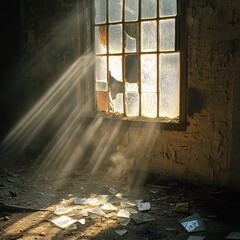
(22, 187)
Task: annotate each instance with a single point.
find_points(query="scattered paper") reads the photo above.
(108, 207)
(121, 232)
(124, 221)
(131, 210)
(63, 210)
(123, 213)
(193, 223)
(97, 211)
(127, 203)
(109, 215)
(64, 221)
(144, 206)
(80, 201)
(82, 221)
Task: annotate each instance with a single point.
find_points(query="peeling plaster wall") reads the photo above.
(207, 152)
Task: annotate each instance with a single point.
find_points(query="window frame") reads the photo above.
(181, 123)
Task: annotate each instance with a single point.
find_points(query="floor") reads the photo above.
(31, 202)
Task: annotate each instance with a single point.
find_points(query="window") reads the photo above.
(140, 59)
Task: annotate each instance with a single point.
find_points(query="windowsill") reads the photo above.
(160, 123)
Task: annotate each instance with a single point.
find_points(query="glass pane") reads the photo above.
(131, 34)
(167, 35)
(102, 101)
(115, 67)
(131, 10)
(115, 38)
(101, 69)
(101, 86)
(132, 104)
(118, 103)
(115, 10)
(132, 68)
(131, 87)
(149, 9)
(149, 36)
(169, 85)
(167, 8)
(115, 76)
(149, 105)
(100, 10)
(100, 40)
(149, 73)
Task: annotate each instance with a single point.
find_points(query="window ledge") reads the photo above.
(160, 123)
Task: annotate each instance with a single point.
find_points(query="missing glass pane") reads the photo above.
(131, 34)
(132, 68)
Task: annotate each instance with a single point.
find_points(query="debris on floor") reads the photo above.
(233, 235)
(193, 223)
(78, 210)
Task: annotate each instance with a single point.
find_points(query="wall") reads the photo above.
(207, 152)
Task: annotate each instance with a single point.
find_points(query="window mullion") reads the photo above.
(139, 55)
(123, 59)
(108, 75)
(158, 62)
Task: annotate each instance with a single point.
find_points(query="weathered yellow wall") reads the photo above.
(207, 152)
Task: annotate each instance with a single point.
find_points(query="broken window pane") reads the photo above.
(115, 76)
(131, 34)
(167, 35)
(132, 68)
(131, 10)
(101, 68)
(132, 104)
(149, 9)
(115, 38)
(149, 36)
(169, 85)
(149, 105)
(115, 10)
(100, 39)
(167, 8)
(115, 67)
(149, 73)
(118, 103)
(100, 9)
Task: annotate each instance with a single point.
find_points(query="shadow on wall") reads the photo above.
(196, 101)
